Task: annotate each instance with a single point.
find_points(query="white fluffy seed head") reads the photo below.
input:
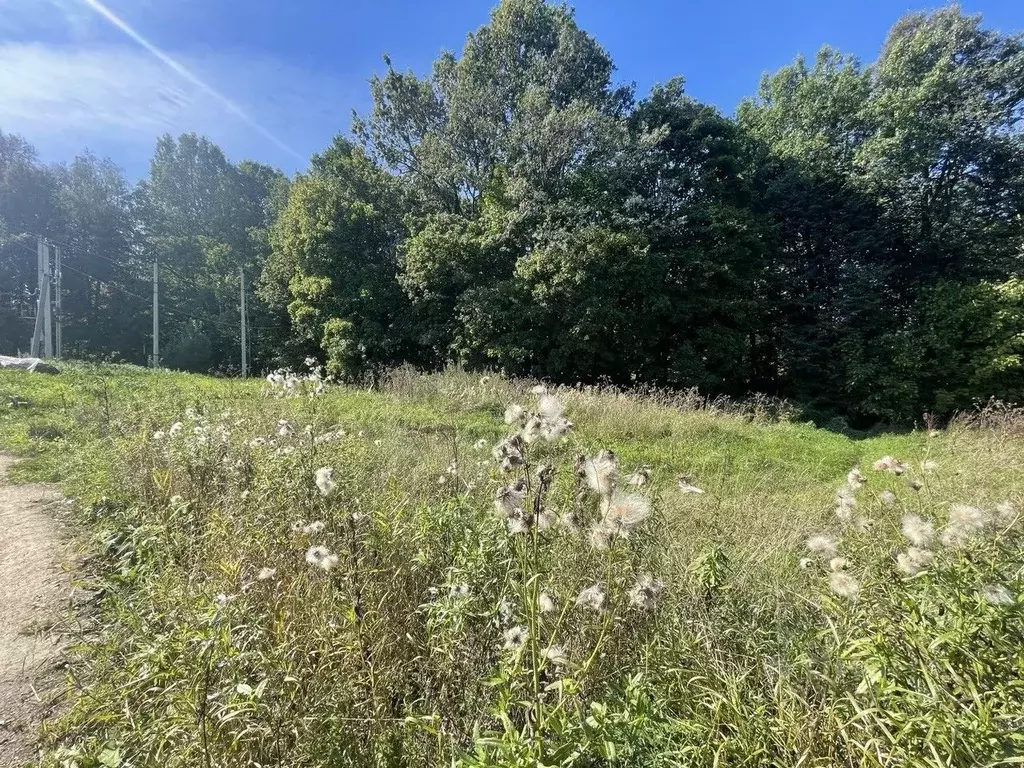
(515, 637)
(644, 594)
(549, 407)
(914, 560)
(918, 531)
(627, 510)
(602, 472)
(592, 597)
(324, 478)
(823, 545)
(686, 485)
(513, 414)
(321, 557)
(997, 594)
(969, 518)
(556, 655)
(843, 584)
(1006, 514)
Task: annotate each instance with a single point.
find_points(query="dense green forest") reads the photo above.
(852, 239)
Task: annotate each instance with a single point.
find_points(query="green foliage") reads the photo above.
(515, 209)
(188, 487)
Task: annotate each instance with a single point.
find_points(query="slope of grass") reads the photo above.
(387, 659)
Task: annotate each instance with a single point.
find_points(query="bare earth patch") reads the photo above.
(33, 593)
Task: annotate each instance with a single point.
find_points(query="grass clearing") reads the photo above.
(401, 653)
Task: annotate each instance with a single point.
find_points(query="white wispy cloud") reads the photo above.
(84, 91)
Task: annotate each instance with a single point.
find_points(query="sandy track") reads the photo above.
(33, 595)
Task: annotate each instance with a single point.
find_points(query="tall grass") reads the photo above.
(437, 603)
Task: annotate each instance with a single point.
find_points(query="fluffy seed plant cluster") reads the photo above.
(924, 619)
(579, 593)
(315, 597)
(286, 383)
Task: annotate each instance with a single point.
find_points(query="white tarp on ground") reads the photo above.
(25, 364)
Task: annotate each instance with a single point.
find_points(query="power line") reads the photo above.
(187, 283)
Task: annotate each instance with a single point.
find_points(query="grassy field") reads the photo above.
(253, 611)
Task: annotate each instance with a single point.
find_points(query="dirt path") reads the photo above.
(33, 594)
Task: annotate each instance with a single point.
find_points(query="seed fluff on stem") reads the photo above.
(592, 597)
(325, 480)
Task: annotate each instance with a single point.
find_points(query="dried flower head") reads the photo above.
(546, 519)
(325, 480)
(556, 655)
(266, 574)
(970, 519)
(855, 478)
(602, 472)
(158, 435)
(533, 428)
(1006, 514)
(517, 525)
(480, 444)
(914, 484)
(625, 512)
(805, 563)
(508, 500)
(639, 478)
(997, 594)
(863, 523)
(913, 561)
(513, 414)
(843, 584)
(321, 557)
(918, 531)
(887, 497)
(545, 603)
(592, 597)
(313, 528)
(556, 429)
(285, 428)
(459, 590)
(485, 380)
(891, 465)
(600, 536)
(838, 564)
(844, 507)
(822, 545)
(686, 485)
(644, 594)
(509, 452)
(929, 465)
(540, 389)
(549, 407)
(905, 564)
(515, 637)
(955, 537)
(175, 429)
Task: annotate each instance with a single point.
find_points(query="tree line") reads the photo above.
(851, 239)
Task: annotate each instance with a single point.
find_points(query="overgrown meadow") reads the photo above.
(456, 570)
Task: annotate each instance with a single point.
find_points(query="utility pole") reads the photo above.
(47, 304)
(156, 318)
(37, 330)
(242, 306)
(60, 336)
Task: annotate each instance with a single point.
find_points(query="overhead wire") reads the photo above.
(116, 286)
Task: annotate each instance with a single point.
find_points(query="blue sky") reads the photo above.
(293, 70)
